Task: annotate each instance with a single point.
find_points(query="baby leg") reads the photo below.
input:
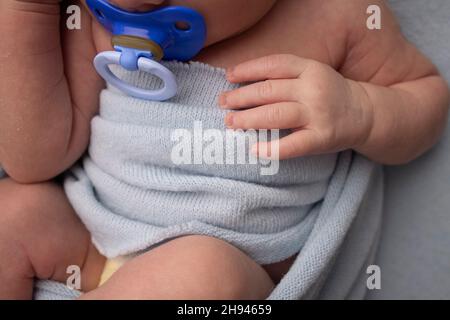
(40, 236)
(190, 267)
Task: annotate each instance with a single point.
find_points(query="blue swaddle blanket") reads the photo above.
(132, 195)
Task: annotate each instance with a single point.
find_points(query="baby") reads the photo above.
(186, 232)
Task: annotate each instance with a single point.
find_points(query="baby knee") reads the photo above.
(222, 271)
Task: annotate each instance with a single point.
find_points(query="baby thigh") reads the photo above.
(40, 236)
(190, 267)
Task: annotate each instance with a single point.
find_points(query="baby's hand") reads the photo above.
(324, 110)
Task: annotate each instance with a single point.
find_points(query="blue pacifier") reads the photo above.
(143, 39)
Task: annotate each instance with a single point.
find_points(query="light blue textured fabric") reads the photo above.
(131, 195)
(143, 198)
(52, 290)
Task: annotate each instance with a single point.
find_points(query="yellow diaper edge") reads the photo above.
(111, 267)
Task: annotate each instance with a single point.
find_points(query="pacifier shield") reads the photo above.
(179, 31)
(169, 33)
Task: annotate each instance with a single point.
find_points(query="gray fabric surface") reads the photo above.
(414, 253)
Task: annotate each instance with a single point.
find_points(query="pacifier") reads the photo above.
(141, 40)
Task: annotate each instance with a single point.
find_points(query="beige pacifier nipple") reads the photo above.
(140, 44)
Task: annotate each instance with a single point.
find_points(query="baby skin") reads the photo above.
(315, 68)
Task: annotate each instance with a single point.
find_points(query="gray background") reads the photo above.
(414, 253)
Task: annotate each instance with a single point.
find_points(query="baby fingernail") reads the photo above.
(229, 120)
(223, 100)
(230, 72)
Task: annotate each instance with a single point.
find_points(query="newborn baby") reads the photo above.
(195, 232)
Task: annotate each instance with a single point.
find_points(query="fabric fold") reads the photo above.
(132, 195)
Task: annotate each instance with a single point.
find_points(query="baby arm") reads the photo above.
(48, 88)
(386, 101)
(402, 90)
(407, 118)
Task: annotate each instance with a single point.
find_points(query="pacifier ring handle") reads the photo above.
(103, 60)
